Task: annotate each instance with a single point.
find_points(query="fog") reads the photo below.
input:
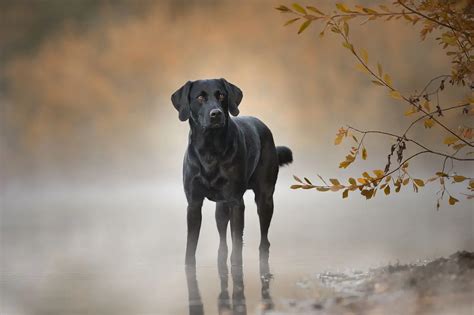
(92, 208)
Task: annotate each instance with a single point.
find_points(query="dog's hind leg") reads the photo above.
(264, 201)
(237, 210)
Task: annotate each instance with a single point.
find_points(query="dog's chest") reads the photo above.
(217, 182)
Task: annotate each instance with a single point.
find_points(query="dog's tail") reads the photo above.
(285, 156)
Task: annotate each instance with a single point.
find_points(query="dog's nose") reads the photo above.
(215, 113)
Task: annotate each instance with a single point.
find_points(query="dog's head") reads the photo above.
(207, 102)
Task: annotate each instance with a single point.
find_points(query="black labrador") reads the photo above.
(225, 157)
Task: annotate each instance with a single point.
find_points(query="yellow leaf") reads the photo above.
(335, 188)
(419, 182)
(344, 164)
(295, 186)
(299, 8)
(364, 154)
(348, 46)
(450, 140)
(314, 9)
(452, 200)
(291, 21)
(352, 181)
(361, 68)
(387, 190)
(345, 193)
(342, 7)
(410, 111)
(379, 173)
(297, 179)
(459, 178)
(406, 181)
(334, 181)
(304, 25)
(362, 180)
(322, 189)
(396, 95)
(365, 55)
(338, 139)
(379, 69)
(387, 79)
(429, 123)
(346, 28)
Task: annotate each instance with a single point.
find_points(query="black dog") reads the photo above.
(225, 157)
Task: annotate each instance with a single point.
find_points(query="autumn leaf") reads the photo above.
(343, 8)
(314, 9)
(361, 68)
(379, 69)
(419, 182)
(365, 55)
(429, 123)
(450, 140)
(459, 178)
(291, 21)
(297, 179)
(348, 46)
(379, 173)
(387, 190)
(335, 182)
(283, 8)
(364, 153)
(304, 25)
(345, 193)
(396, 95)
(388, 79)
(299, 8)
(452, 200)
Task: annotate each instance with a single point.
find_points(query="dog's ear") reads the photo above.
(234, 96)
(180, 100)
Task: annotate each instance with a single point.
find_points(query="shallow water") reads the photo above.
(121, 251)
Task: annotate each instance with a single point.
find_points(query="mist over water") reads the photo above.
(92, 208)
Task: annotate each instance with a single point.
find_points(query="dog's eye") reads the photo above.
(200, 98)
(221, 97)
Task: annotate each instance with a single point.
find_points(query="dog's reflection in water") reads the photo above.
(225, 304)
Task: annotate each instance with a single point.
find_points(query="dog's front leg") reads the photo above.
(237, 230)
(194, 217)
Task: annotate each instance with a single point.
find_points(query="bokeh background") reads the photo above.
(92, 208)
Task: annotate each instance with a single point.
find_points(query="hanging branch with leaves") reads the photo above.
(454, 22)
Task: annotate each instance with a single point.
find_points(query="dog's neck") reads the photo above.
(215, 142)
